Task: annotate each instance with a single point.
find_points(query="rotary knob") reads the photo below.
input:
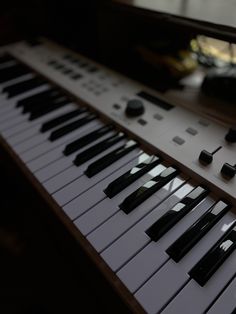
(134, 108)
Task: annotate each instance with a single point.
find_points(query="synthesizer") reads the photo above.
(146, 186)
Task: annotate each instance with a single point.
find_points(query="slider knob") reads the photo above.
(231, 135)
(205, 157)
(228, 171)
(134, 108)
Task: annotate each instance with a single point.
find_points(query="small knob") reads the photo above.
(231, 135)
(205, 157)
(228, 171)
(134, 108)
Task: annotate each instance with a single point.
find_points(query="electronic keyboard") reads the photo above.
(147, 187)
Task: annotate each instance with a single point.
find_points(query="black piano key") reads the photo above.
(12, 72)
(19, 88)
(98, 148)
(39, 104)
(148, 189)
(193, 234)
(58, 133)
(38, 98)
(130, 176)
(48, 125)
(86, 139)
(45, 109)
(215, 257)
(171, 217)
(6, 58)
(110, 158)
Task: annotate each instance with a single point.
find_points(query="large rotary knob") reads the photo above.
(134, 108)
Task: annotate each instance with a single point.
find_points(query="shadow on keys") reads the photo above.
(42, 270)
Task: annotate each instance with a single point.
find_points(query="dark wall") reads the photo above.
(99, 29)
(123, 30)
(71, 22)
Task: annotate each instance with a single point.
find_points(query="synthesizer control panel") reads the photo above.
(147, 187)
(177, 132)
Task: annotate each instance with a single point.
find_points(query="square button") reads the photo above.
(191, 131)
(203, 122)
(178, 140)
(124, 98)
(52, 62)
(59, 66)
(67, 57)
(157, 116)
(76, 76)
(67, 71)
(142, 122)
(116, 106)
(92, 69)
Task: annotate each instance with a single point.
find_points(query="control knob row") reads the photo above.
(228, 171)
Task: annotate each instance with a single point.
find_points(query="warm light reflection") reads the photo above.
(225, 227)
(226, 245)
(173, 184)
(156, 171)
(178, 207)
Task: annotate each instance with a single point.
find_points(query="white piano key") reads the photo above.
(177, 274)
(8, 64)
(108, 207)
(35, 141)
(2, 100)
(22, 94)
(58, 166)
(19, 119)
(17, 80)
(66, 182)
(31, 154)
(87, 200)
(139, 268)
(120, 222)
(195, 299)
(29, 143)
(84, 183)
(33, 131)
(28, 93)
(56, 155)
(12, 128)
(8, 112)
(135, 239)
(8, 108)
(226, 302)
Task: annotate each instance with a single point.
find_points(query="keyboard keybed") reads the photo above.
(134, 208)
